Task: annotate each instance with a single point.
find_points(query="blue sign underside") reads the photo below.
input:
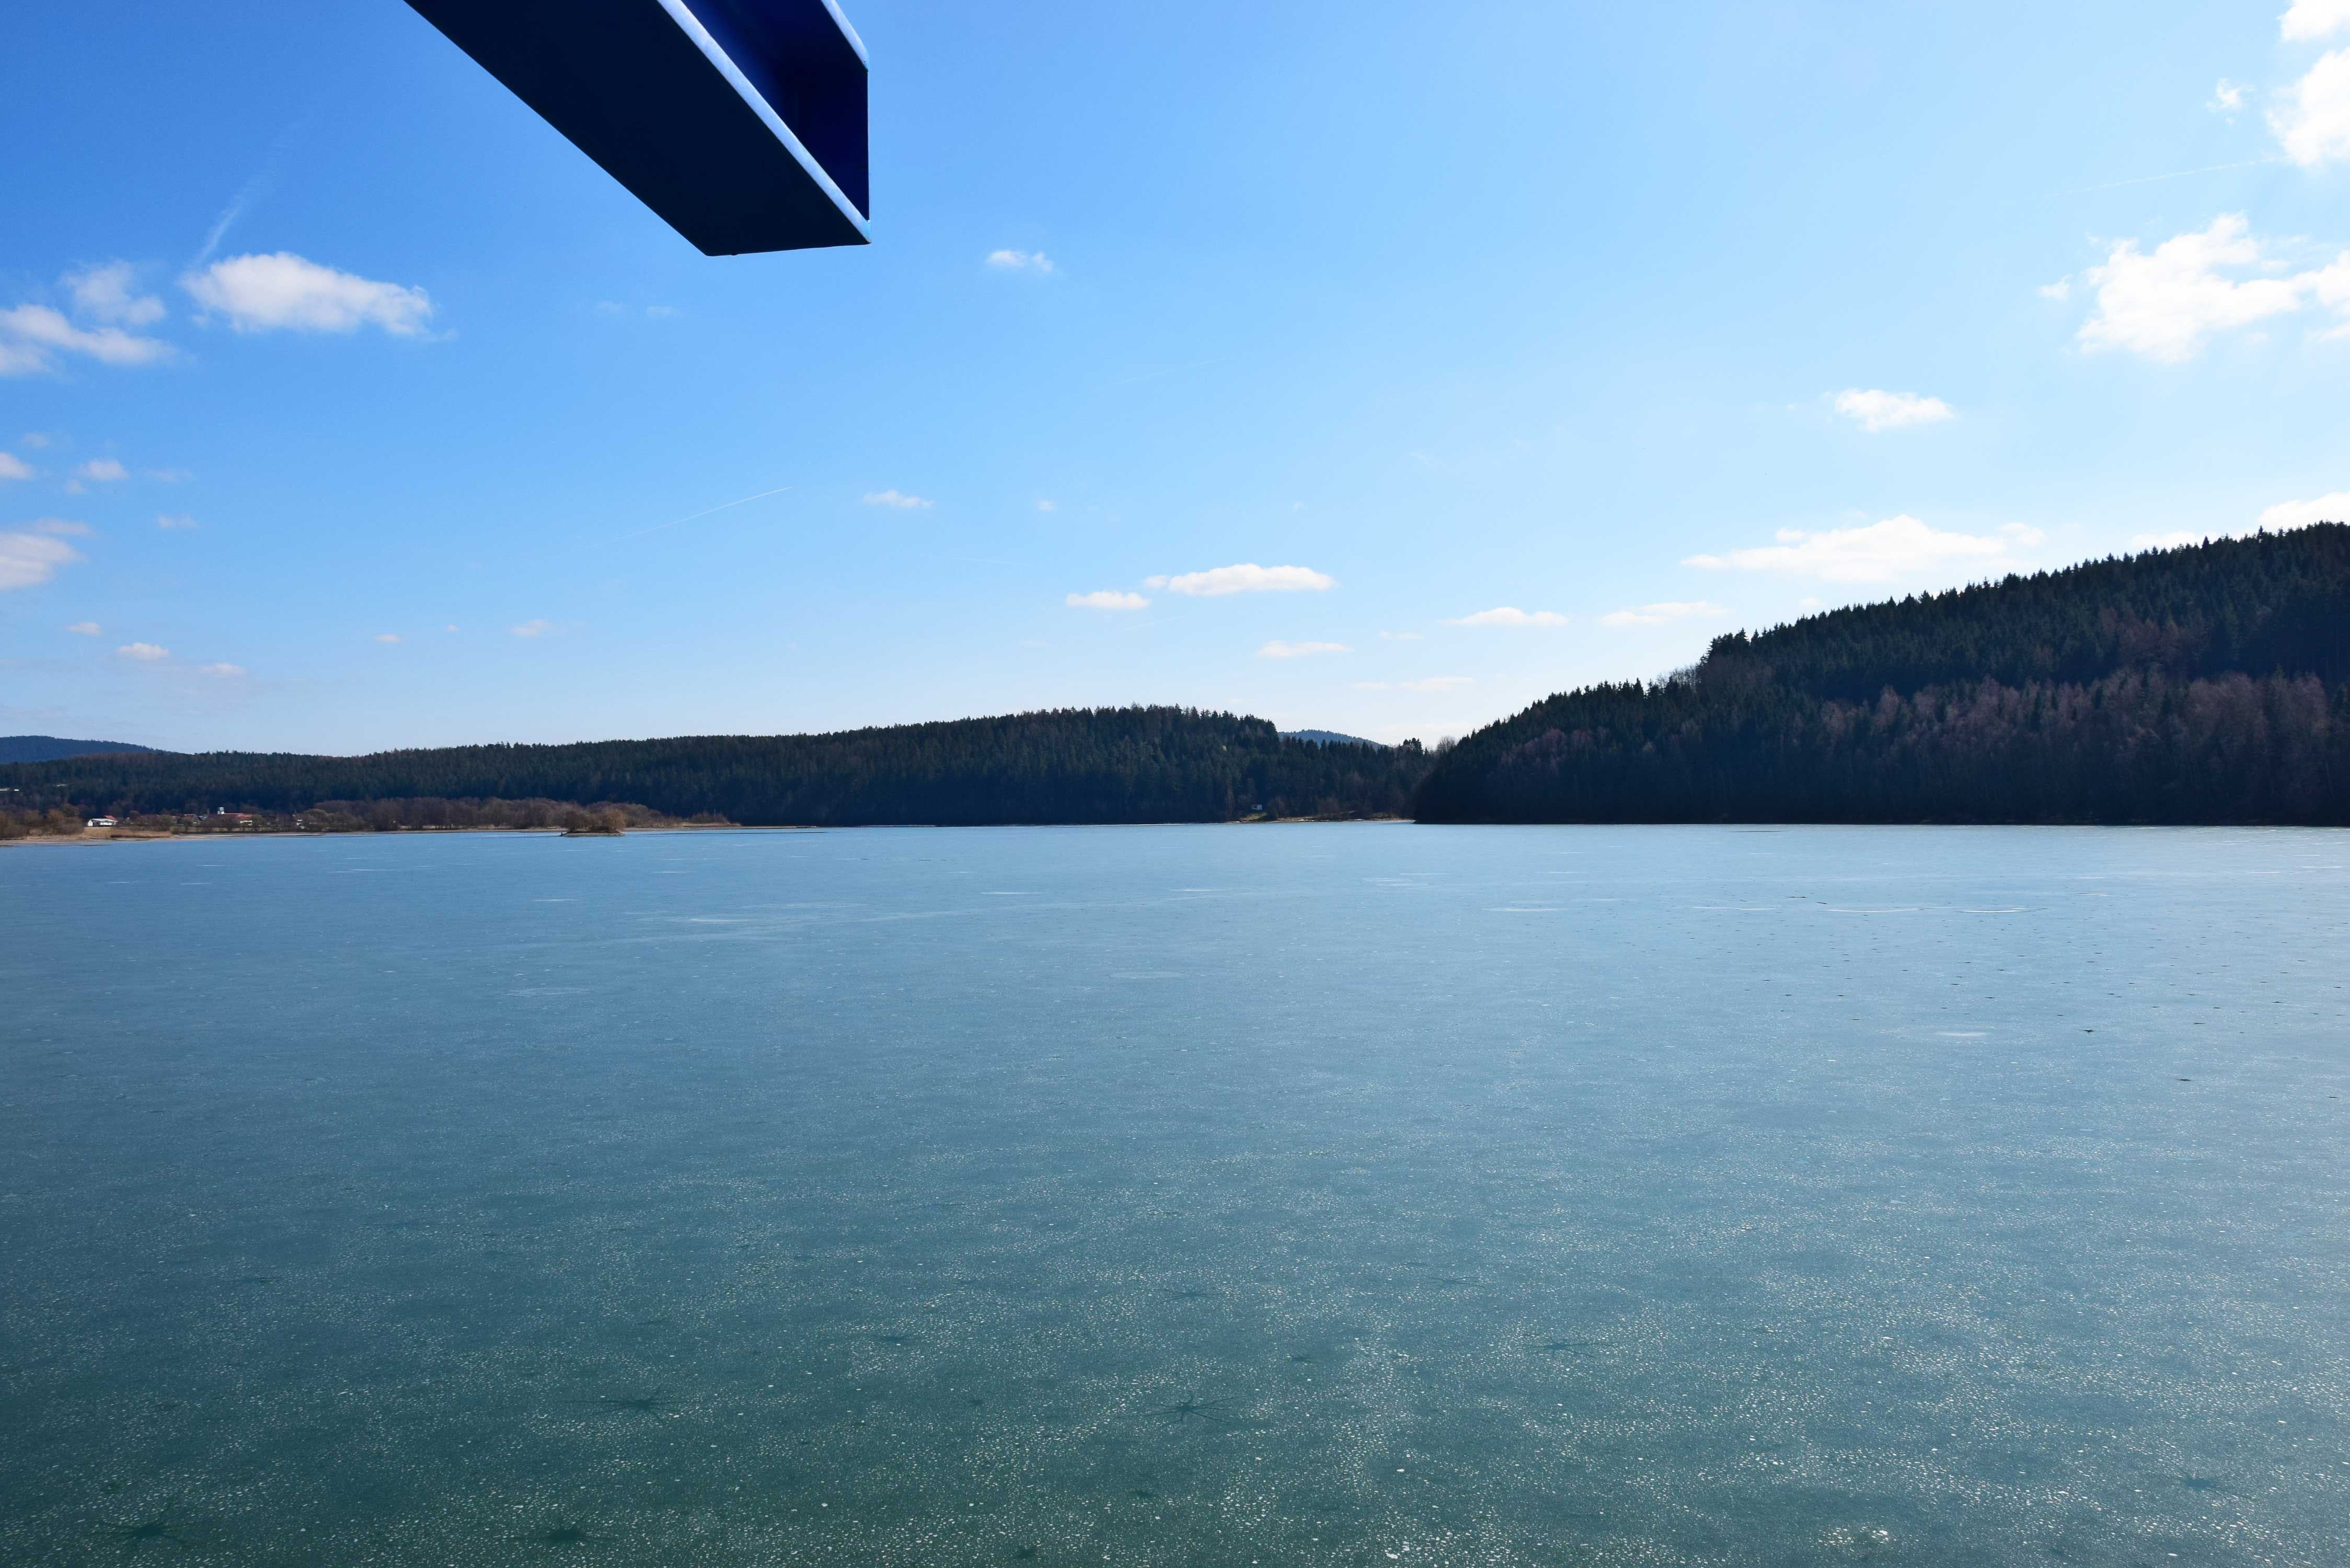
(740, 123)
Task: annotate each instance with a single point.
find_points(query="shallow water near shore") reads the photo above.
(1297, 1195)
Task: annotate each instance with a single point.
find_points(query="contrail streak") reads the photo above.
(2174, 174)
(720, 507)
(254, 189)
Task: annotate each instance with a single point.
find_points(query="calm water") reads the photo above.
(1336, 1195)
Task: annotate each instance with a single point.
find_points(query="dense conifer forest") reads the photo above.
(1069, 765)
(2208, 684)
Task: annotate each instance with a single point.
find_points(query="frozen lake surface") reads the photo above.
(1315, 1195)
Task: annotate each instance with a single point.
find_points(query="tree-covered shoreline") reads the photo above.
(2206, 684)
(1066, 765)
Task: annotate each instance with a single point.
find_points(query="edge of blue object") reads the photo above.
(742, 124)
(717, 55)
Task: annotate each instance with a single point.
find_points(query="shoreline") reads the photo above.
(91, 838)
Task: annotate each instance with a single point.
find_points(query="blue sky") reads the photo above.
(1381, 367)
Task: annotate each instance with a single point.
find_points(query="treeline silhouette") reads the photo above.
(2206, 684)
(1065, 766)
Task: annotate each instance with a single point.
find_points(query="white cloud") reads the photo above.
(1248, 577)
(33, 439)
(2314, 19)
(1433, 683)
(2313, 123)
(1047, 506)
(2164, 305)
(224, 671)
(102, 471)
(533, 629)
(1657, 615)
(29, 333)
(611, 307)
(2284, 514)
(59, 526)
(1020, 260)
(2061, 290)
(144, 652)
(171, 475)
(389, 636)
(893, 499)
(174, 520)
(28, 560)
(1875, 411)
(1887, 552)
(86, 629)
(104, 293)
(1279, 649)
(1108, 599)
(2227, 97)
(1510, 615)
(14, 467)
(660, 312)
(283, 292)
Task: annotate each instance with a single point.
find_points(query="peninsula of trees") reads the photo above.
(2207, 684)
(1068, 765)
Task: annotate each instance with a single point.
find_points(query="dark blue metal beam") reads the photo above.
(740, 123)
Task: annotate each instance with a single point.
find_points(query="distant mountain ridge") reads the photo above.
(1065, 766)
(1330, 738)
(55, 748)
(2207, 684)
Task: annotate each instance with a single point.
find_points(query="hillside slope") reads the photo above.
(51, 748)
(1069, 765)
(2209, 684)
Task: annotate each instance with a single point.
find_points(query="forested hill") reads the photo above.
(1069, 765)
(49, 748)
(2208, 684)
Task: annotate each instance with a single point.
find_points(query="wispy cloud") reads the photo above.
(2227, 98)
(1659, 615)
(1020, 260)
(60, 525)
(14, 467)
(108, 292)
(222, 671)
(389, 636)
(86, 629)
(2165, 305)
(1400, 636)
(174, 520)
(533, 629)
(1279, 649)
(102, 471)
(32, 335)
(2284, 514)
(895, 500)
(1047, 505)
(286, 293)
(1875, 411)
(1247, 577)
(1108, 599)
(30, 558)
(1508, 615)
(1891, 551)
(142, 652)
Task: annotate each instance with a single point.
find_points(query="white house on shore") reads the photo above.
(100, 822)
